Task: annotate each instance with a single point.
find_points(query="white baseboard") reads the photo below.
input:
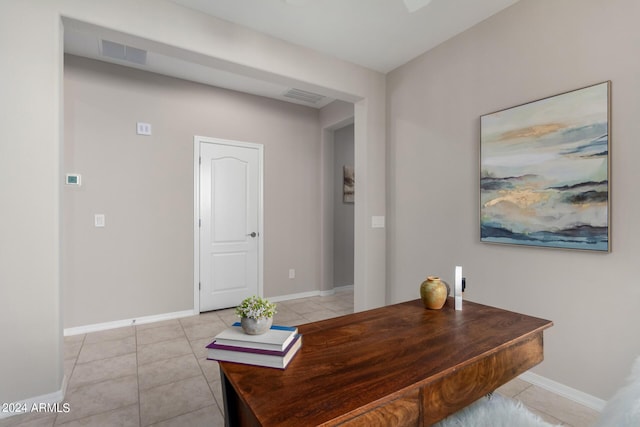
(127, 322)
(562, 390)
(336, 289)
(50, 402)
(294, 296)
(96, 327)
(310, 294)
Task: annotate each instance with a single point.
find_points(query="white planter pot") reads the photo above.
(256, 326)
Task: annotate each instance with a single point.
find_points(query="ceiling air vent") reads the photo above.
(124, 53)
(304, 96)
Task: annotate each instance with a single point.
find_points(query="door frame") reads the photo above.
(197, 140)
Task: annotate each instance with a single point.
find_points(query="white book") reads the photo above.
(276, 339)
(270, 359)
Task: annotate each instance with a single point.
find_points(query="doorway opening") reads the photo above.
(343, 206)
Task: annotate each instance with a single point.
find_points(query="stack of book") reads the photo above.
(275, 348)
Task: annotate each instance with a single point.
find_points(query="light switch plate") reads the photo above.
(143, 128)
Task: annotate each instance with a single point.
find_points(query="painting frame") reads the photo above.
(545, 172)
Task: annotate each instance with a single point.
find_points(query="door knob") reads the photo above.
(252, 234)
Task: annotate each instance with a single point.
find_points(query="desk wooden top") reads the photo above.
(352, 363)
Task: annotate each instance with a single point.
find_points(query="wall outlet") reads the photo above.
(377, 222)
(98, 220)
(292, 273)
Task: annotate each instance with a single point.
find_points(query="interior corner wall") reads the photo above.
(141, 262)
(30, 125)
(534, 49)
(343, 212)
(370, 263)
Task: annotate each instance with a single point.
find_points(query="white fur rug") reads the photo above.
(623, 409)
(494, 411)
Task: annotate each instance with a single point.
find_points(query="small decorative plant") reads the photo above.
(256, 315)
(256, 308)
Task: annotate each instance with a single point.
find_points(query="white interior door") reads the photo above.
(230, 222)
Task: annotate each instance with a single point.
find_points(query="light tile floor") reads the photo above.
(157, 374)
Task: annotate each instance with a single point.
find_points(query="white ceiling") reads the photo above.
(377, 34)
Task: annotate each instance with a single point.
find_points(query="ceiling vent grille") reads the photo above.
(304, 96)
(124, 53)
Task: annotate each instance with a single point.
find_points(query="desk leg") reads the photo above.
(230, 398)
(236, 412)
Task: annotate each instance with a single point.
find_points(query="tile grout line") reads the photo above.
(213, 394)
(201, 375)
(135, 342)
(98, 382)
(73, 368)
(531, 407)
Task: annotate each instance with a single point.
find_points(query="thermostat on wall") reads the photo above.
(72, 179)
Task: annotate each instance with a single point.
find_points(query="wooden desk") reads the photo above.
(397, 365)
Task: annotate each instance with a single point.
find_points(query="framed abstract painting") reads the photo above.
(348, 186)
(545, 171)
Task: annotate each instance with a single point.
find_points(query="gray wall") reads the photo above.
(534, 49)
(342, 212)
(141, 263)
